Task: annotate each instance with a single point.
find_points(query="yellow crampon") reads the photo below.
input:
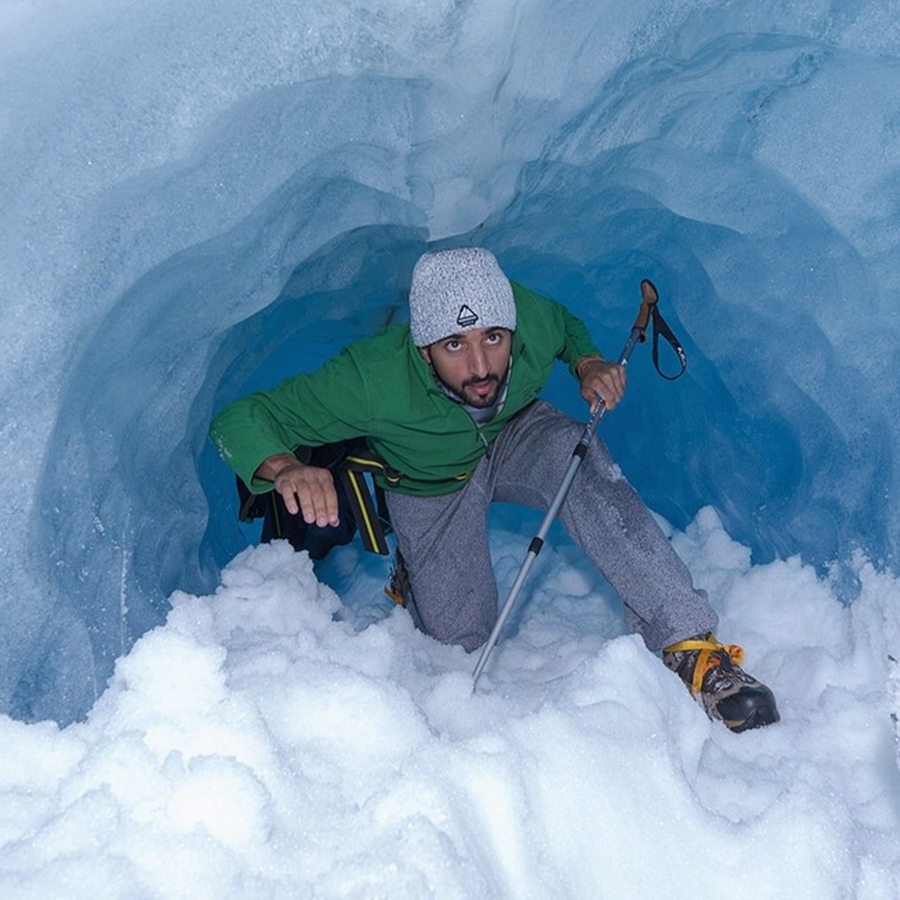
(399, 584)
(705, 659)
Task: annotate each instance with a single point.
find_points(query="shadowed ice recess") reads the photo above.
(198, 201)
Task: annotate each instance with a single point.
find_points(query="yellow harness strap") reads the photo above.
(352, 472)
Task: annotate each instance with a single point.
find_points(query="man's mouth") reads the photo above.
(482, 385)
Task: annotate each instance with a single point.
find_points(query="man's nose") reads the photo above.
(479, 364)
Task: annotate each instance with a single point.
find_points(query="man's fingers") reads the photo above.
(291, 503)
(322, 506)
(309, 490)
(612, 385)
(604, 381)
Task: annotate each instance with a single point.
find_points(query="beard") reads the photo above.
(480, 393)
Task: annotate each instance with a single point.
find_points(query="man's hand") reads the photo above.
(305, 489)
(599, 377)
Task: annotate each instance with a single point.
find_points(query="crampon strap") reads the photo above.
(706, 659)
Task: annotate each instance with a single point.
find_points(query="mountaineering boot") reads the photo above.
(712, 672)
(398, 589)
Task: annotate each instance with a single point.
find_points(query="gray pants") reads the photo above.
(444, 539)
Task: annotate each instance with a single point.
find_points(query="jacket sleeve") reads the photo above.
(577, 340)
(326, 406)
(551, 325)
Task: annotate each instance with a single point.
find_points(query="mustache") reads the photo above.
(490, 377)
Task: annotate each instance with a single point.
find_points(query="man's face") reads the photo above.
(472, 364)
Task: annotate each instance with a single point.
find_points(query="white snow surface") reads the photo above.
(199, 199)
(272, 741)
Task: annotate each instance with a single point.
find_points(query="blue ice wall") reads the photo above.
(197, 201)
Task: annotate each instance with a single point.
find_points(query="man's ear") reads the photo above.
(425, 353)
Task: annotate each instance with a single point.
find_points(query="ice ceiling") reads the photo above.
(198, 201)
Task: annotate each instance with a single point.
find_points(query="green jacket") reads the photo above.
(381, 388)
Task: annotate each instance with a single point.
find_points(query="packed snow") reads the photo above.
(198, 199)
(272, 740)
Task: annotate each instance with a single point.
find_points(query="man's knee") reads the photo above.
(470, 640)
(465, 620)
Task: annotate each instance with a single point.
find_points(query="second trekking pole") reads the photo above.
(649, 299)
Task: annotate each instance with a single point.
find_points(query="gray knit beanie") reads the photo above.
(453, 291)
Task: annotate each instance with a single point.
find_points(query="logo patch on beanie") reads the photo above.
(467, 317)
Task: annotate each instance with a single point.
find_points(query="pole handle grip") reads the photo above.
(649, 299)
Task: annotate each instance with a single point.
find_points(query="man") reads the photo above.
(449, 403)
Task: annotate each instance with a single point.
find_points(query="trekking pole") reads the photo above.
(649, 299)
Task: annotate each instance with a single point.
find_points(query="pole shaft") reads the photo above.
(648, 298)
